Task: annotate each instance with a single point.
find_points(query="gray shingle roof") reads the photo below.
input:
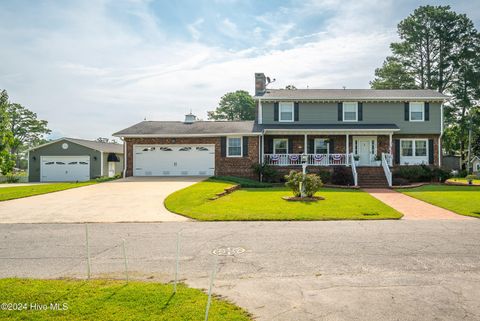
(159, 128)
(103, 147)
(352, 94)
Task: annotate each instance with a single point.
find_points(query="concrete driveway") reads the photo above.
(127, 200)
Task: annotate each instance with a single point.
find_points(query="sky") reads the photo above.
(91, 68)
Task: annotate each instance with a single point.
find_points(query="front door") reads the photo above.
(364, 148)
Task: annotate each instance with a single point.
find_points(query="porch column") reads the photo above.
(347, 149)
(390, 144)
(305, 151)
(262, 151)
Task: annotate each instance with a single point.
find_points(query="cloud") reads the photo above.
(94, 68)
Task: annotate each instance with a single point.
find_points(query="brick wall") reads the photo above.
(231, 166)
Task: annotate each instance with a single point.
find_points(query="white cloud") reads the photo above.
(94, 75)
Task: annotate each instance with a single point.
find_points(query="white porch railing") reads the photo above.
(386, 162)
(312, 159)
(354, 169)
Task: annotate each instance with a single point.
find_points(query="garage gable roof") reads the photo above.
(101, 147)
(198, 128)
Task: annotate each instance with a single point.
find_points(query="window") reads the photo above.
(321, 146)
(185, 149)
(280, 146)
(414, 147)
(417, 111)
(478, 167)
(407, 149)
(234, 147)
(285, 111)
(350, 111)
(421, 148)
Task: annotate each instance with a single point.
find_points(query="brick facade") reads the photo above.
(231, 166)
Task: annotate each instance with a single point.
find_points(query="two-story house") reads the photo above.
(356, 128)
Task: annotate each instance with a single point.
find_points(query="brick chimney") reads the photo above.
(260, 83)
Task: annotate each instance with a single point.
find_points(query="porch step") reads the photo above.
(371, 177)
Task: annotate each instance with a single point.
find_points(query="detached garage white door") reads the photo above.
(64, 168)
(174, 160)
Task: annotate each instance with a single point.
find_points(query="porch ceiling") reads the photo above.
(331, 129)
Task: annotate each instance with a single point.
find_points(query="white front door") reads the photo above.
(174, 160)
(64, 168)
(365, 149)
(111, 169)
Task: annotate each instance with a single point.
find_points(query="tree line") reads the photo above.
(20, 129)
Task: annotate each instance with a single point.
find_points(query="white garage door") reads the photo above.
(64, 168)
(174, 160)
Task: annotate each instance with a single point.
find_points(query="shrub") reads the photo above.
(243, 182)
(420, 173)
(342, 176)
(398, 181)
(312, 183)
(267, 172)
(106, 178)
(325, 176)
(441, 175)
(12, 179)
(470, 178)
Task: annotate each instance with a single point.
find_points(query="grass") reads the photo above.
(243, 182)
(463, 181)
(112, 300)
(464, 200)
(267, 204)
(10, 193)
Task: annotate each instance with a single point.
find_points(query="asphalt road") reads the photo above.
(377, 270)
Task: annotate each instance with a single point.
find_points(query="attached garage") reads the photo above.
(72, 160)
(174, 160)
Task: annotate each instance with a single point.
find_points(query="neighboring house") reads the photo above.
(332, 126)
(476, 165)
(71, 159)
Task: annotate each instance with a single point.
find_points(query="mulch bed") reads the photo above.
(302, 199)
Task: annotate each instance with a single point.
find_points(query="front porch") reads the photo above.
(327, 150)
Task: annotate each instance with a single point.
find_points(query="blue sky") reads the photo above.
(94, 67)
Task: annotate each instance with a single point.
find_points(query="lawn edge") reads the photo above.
(61, 190)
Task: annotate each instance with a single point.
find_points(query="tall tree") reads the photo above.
(6, 139)
(393, 75)
(238, 105)
(26, 128)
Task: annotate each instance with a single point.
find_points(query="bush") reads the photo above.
(398, 181)
(312, 183)
(106, 178)
(12, 179)
(325, 176)
(420, 173)
(267, 172)
(342, 176)
(470, 178)
(243, 182)
(441, 175)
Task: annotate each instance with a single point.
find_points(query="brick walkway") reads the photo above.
(411, 208)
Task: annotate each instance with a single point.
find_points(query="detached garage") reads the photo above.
(71, 159)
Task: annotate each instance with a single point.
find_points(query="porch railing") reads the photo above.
(312, 159)
(386, 161)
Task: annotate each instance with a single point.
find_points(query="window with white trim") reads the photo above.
(417, 111)
(478, 167)
(234, 146)
(350, 111)
(280, 146)
(413, 148)
(321, 146)
(285, 112)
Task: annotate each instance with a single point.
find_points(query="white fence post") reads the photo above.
(176, 263)
(212, 278)
(88, 250)
(125, 259)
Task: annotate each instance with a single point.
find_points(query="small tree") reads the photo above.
(312, 183)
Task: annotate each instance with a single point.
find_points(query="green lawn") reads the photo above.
(112, 300)
(463, 181)
(10, 193)
(463, 200)
(267, 204)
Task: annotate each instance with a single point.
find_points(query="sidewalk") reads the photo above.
(411, 208)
